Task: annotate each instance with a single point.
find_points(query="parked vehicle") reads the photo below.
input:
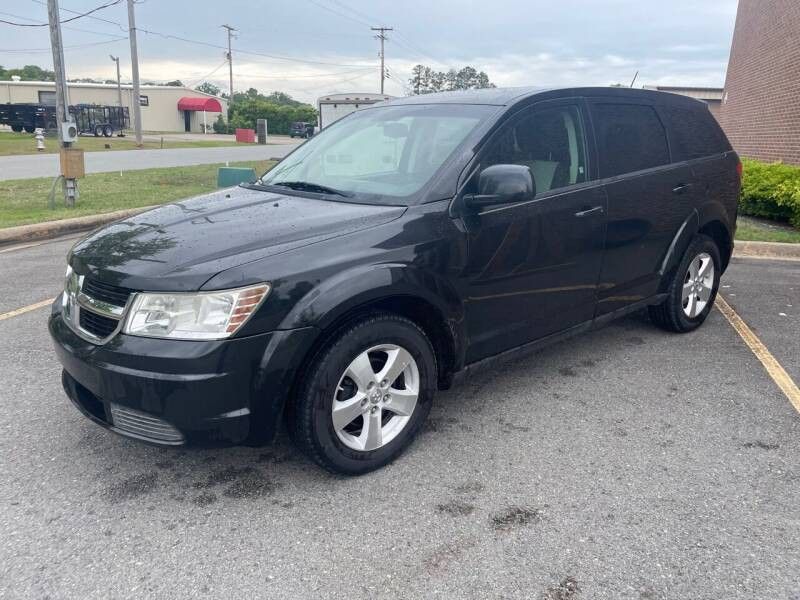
(90, 119)
(27, 117)
(97, 120)
(404, 245)
(301, 129)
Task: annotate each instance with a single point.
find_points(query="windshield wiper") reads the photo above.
(307, 186)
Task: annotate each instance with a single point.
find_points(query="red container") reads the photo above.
(247, 136)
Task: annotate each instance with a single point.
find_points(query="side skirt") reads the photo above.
(554, 338)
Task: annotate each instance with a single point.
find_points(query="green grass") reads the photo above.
(748, 231)
(24, 201)
(24, 143)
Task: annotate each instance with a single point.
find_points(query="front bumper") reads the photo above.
(174, 392)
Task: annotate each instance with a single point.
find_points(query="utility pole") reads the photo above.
(62, 94)
(382, 37)
(137, 105)
(230, 63)
(119, 81)
(70, 185)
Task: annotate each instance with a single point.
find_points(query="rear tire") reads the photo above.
(693, 289)
(107, 131)
(98, 131)
(347, 415)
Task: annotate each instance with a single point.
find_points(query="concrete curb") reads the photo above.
(52, 229)
(771, 250)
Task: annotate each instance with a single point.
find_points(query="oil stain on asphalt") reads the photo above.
(131, 488)
(516, 516)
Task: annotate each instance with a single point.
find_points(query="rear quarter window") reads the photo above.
(630, 138)
(695, 133)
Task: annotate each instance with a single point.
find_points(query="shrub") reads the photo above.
(771, 191)
(220, 126)
(279, 117)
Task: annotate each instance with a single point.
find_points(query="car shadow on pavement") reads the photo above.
(279, 474)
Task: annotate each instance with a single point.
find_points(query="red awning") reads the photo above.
(207, 104)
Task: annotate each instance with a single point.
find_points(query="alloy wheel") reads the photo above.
(698, 285)
(375, 397)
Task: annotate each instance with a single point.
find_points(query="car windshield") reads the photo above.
(379, 154)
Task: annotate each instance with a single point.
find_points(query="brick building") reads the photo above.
(761, 105)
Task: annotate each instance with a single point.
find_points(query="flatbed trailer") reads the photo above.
(90, 119)
(98, 120)
(28, 117)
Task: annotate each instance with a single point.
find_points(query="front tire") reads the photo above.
(365, 395)
(693, 288)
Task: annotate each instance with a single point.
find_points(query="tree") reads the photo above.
(245, 111)
(425, 80)
(27, 73)
(208, 88)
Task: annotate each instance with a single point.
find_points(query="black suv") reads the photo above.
(301, 129)
(406, 243)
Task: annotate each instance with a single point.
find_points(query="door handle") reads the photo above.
(597, 210)
(681, 188)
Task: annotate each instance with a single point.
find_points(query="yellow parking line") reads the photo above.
(770, 363)
(26, 309)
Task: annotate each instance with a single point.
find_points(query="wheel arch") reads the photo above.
(717, 231)
(406, 290)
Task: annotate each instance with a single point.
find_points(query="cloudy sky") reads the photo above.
(312, 47)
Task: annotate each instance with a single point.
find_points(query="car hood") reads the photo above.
(178, 247)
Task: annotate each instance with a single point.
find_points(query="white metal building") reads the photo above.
(335, 106)
(711, 96)
(164, 108)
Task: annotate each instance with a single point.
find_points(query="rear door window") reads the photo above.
(630, 137)
(695, 133)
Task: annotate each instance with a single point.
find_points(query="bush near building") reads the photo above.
(771, 191)
(279, 117)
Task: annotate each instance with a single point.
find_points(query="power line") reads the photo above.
(408, 44)
(68, 27)
(416, 49)
(341, 14)
(209, 44)
(88, 16)
(79, 16)
(73, 47)
(354, 11)
(222, 64)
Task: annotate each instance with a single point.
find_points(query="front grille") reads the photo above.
(144, 426)
(97, 325)
(118, 296)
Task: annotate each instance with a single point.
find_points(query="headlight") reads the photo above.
(72, 285)
(195, 316)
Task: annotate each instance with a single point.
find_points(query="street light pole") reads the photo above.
(119, 82)
(136, 101)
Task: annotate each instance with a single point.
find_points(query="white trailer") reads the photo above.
(335, 106)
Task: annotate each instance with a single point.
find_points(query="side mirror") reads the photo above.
(502, 184)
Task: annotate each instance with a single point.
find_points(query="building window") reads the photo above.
(48, 98)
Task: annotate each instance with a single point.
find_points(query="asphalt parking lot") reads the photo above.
(626, 463)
